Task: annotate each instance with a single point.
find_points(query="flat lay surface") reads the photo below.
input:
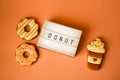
(96, 18)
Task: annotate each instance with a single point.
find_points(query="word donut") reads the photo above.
(27, 29)
(26, 54)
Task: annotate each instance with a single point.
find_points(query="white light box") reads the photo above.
(59, 38)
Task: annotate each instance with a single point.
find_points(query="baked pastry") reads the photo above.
(27, 28)
(26, 54)
(96, 53)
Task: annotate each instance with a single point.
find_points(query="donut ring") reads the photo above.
(23, 24)
(22, 49)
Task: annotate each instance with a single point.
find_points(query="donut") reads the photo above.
(27, 28)
(26, 54)
(96, 52)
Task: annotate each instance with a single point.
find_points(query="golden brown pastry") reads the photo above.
(27, 28)
(26, 54)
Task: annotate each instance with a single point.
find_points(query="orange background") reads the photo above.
(96, 18)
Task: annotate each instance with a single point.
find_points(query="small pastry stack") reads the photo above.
(96, 53)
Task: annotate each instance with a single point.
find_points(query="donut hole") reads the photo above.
(27, 28)
(26, 54)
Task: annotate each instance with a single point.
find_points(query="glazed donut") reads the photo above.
(23, 58)
(22, 28)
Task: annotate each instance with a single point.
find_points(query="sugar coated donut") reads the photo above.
(26, 54)
(27, 28)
